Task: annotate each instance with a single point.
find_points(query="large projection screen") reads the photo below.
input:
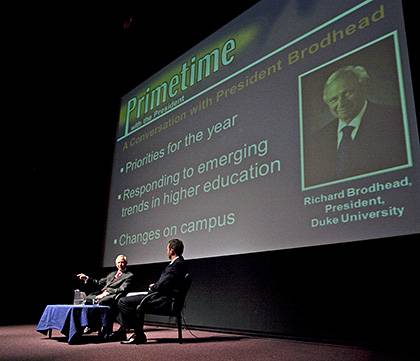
(235, 147)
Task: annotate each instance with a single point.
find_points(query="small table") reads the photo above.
(72, 319)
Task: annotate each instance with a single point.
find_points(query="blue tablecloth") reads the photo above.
(72, 319)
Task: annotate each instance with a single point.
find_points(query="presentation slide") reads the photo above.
(292, 126)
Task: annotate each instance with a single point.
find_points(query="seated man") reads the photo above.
(114, 284)
(169, 283)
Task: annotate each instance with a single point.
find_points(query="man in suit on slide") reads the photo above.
(169, 283)
(364, 137)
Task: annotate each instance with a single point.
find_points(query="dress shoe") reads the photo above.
(135, 339)
(119, 335)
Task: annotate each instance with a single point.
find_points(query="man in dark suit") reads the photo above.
(159, 299)
(114, 284)
(364, 137)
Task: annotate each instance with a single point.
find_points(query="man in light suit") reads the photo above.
(114, 284)
(159, 299)
(364, 137)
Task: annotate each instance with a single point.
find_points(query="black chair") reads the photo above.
(176, 307)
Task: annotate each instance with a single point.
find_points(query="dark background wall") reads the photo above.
(71, 69)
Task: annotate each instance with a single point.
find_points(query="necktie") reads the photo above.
(117, 275)
(344, 152)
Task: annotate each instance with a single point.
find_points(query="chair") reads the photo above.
(177, 304)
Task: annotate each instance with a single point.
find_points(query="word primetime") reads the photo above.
(190, 73)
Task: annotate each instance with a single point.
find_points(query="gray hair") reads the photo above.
(121, 256)
(357, 70)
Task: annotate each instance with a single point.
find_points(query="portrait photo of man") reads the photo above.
(361, 138)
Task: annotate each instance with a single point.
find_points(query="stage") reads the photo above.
(24, 343)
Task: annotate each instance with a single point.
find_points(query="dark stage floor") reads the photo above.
(20, 343)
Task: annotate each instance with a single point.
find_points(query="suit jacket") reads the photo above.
(379, 144)
(170, 283)
(112, 285)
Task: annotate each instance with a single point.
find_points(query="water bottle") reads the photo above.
(78, 299)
